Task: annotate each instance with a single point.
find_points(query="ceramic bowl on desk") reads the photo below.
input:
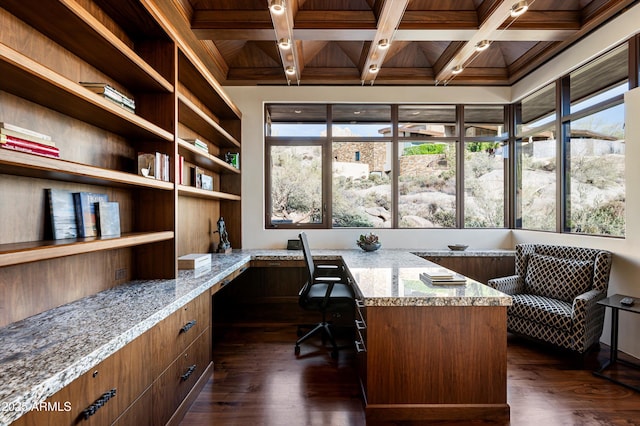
(457, 247)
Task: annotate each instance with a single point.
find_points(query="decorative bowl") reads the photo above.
(458, 247)
(370, 247)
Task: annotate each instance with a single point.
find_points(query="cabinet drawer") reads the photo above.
(177, 380)
(101, 394)
(140, 413)
(176, 332)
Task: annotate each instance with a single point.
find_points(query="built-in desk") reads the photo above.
(459, 349)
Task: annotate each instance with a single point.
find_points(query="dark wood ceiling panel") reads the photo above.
(336, 39)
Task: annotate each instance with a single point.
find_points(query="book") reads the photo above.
(194, 261)
(24, 143)
(62, 214)
(26, 137)
(438, 273)
(456, 279)
(180, 170)
(108, 92)
(23, 131)
(85, 209)
(34, 151)
(108, 218)
(198, 144)
(196, 177)
(207, 182)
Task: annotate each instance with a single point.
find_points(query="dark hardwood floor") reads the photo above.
(258, 380)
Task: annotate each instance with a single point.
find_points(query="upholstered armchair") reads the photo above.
(555, 291)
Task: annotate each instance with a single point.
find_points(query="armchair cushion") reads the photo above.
(542, 310)
(558, 278)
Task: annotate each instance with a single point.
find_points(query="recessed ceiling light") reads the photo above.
(374, 69)
(519, 8)
(297, 111)
(277, 7)
(415, 113)
(384, 44)
(457, 69)
(290, 70)
(482, 45)
(356, 112)
(284, 43)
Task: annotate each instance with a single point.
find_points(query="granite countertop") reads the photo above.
(43, 353)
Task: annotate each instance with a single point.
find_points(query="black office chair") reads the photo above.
(326, 290)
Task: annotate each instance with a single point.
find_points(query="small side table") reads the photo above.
(613, 302)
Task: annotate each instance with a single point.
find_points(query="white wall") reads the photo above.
(626, 251)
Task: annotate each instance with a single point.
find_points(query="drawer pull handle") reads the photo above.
(187, 326)
(360, 346)
(91, 410)
(188, 373)
(360, 325)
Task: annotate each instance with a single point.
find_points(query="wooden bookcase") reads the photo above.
(43, 59)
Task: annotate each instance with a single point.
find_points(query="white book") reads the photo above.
(438, 273)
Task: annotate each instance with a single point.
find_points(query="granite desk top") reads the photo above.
(43, 353)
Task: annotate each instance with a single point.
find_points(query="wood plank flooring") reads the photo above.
(258, 380)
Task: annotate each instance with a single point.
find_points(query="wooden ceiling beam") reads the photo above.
(390, 15)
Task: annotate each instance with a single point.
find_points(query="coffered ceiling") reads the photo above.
(338, 42)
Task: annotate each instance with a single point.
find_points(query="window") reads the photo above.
(485, 153)
(536, 156)
(595, 146)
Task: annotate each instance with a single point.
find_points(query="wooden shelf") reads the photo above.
(203, 159)
(71, 26)
(28, 79)
(199, 80)
(199, 121)
(19, 253)
(25, 164)
(189, 191)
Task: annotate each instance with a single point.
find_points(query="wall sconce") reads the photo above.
(290, 70)
(482, 45)
(284, 43)
(457, 69)
(277, 7)
(373, 69)
(519, 8)
(384, 44)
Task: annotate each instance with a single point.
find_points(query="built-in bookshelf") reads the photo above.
(130, 49)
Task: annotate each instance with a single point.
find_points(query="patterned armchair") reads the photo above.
(555, 291)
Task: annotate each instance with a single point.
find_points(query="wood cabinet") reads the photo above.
(479, 268)
(131, 49)
(413, 363)
(143, 383)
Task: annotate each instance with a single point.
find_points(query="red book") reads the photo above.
(46, 153)
(23, 143)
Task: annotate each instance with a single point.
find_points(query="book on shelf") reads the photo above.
(194, 261)
(207, 182)
(454, 279)
(108, 92)
(198, 144)
(27, 143)
(108, 218)
(23, 131)
(85, 209)
(11, 134)
(30, 150)
(180, 170)
(61, 214)
(196, 177)
(154, 165)
(233, 158)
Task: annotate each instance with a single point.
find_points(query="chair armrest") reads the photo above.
(511, 285)
(329, 270)
(587, 318)
(586, 301)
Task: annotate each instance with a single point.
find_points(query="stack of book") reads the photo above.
(198, 144)
(441, 276)
(154, 165)
(111, 94)
(26, 140)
